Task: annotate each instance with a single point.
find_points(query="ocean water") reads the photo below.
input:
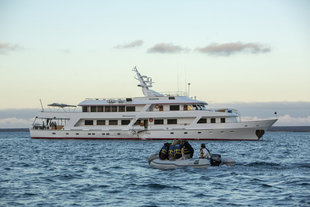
(271, 172)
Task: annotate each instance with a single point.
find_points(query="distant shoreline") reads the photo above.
(272, 129)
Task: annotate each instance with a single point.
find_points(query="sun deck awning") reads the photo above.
(61, 105)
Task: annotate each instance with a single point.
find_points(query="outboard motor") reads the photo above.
(215, 160)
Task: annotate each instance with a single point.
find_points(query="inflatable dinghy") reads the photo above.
(215, 160)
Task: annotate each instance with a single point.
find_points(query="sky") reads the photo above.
(248, 54)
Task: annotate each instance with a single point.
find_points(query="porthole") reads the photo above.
(185, 132)
(199, 132)
(171, 132)
(103, 133)
(54, 133)
(67, 133)
(93, 133)
(76, 133)
(108, 133)
(118, 133)
(89, 133)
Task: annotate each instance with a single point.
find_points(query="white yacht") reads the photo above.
(155, 116)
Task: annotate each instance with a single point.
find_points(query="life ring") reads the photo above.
(156, 106)
(151, 119)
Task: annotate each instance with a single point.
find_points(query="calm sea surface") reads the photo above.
(271, 172)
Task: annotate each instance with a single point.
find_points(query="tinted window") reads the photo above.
(125, 122)
(223, 120)
(174, 107)
(114, 108)
(130, 108)
(84, 108)
(172, 121)
(112, 122)
(107, 108)
(212, 120)
(100, 122)
(89, 122)
(100, 108)
(121, 108)
(158, 121)
(93, 109)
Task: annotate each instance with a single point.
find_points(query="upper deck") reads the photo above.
(142, 101)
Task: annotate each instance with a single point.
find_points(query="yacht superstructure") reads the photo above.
(153, 117)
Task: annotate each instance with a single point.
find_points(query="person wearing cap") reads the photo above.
(163, 153)
(204, 152)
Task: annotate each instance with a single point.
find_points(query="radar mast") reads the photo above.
(146, 84)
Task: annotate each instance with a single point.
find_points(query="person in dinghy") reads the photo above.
(176, 150)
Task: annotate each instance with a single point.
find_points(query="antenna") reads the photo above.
(188, 86)
(41, 105)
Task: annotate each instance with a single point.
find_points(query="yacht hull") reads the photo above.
(241, 131)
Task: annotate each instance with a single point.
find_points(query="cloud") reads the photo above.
(227, 49)
(7, 47)
(166, 48)
(133, 44)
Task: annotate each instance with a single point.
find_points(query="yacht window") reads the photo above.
(130, 108)
(128, 99)
(172, 121)
(114, 108)
(185, 132)
(89, 122)
(185, 107)
(100, 122)
(125, 122)
(223, 120)
(195, 107)
(112, 122)
(171, 132)
(121, 108)
(100, 108)
(202, 121)
(84, 108)
(107, 108)
(77, 133)
(213, 120)
(161, 107)
(174, 107)
(158, 121)
(171, 98)
(93, 108)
